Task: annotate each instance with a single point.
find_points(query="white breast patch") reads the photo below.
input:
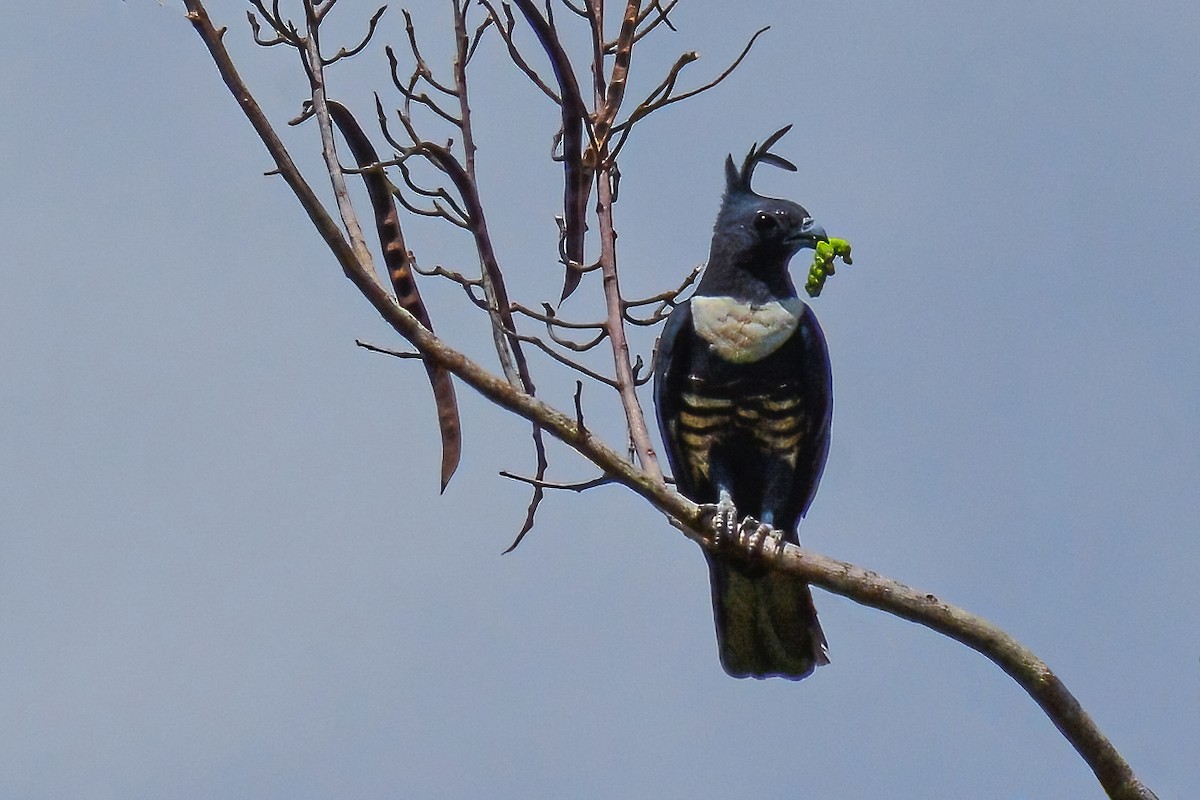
(745, 332)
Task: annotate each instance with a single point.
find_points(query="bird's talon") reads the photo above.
(762, 537)
(724, 523)
(748, 533)
(758, 540)
(779, 544)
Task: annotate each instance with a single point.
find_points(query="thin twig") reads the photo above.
(638, 378)
(514, 53)
(581, 486)
(374, 348)
(566, 362)
(550, 318)
(574, 9)
(328, 145)
(421, 68)
(666, 302)
(660, 19)
(671, 295)
(654, 102)
(358, 48)
(408, 88)
(579, 406)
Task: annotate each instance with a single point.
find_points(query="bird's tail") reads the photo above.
(766, 623)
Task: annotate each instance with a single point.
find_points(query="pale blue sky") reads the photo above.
(225, 570)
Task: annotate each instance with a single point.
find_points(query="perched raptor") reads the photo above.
(744, 396)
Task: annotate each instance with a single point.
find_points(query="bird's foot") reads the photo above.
(758, 540)
(750, 539)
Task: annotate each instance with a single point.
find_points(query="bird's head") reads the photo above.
(756, 230)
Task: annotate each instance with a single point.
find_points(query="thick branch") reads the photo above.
(1030, 672)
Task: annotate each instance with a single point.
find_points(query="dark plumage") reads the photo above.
(744, 395)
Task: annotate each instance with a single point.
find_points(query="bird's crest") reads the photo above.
(738, 181)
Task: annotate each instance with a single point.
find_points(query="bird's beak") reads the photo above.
(809, 234)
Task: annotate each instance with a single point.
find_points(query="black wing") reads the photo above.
(670, 367)
(816, 382)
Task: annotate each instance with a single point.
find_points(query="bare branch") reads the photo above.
(477, 38)
(322, 12)
(280, 38)
(408, 88)
(506, 33)
(285, 166)
(641, 27)
(659, 314)
(638, 378)
(469, 285)
(594, 17)
(462, 175)
(664, 89)
(286, 32)
(614, 95)
(666, 302)
(572, 266)
(552, 322)
(353, 51)
(578, 347)
(548, 317)
(659, 19)
(374, 348)
(661, 97)
(566, 362)
(579, 406)
(508, 344)
(599, 158)
(455, 215)
(574, 9)
(539, 492)
(1022, 665)
(626, 384)
(421, 69)
(668, 296)
(311, 56)
(582, 486)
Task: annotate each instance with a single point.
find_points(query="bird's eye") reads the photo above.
(764, 222)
